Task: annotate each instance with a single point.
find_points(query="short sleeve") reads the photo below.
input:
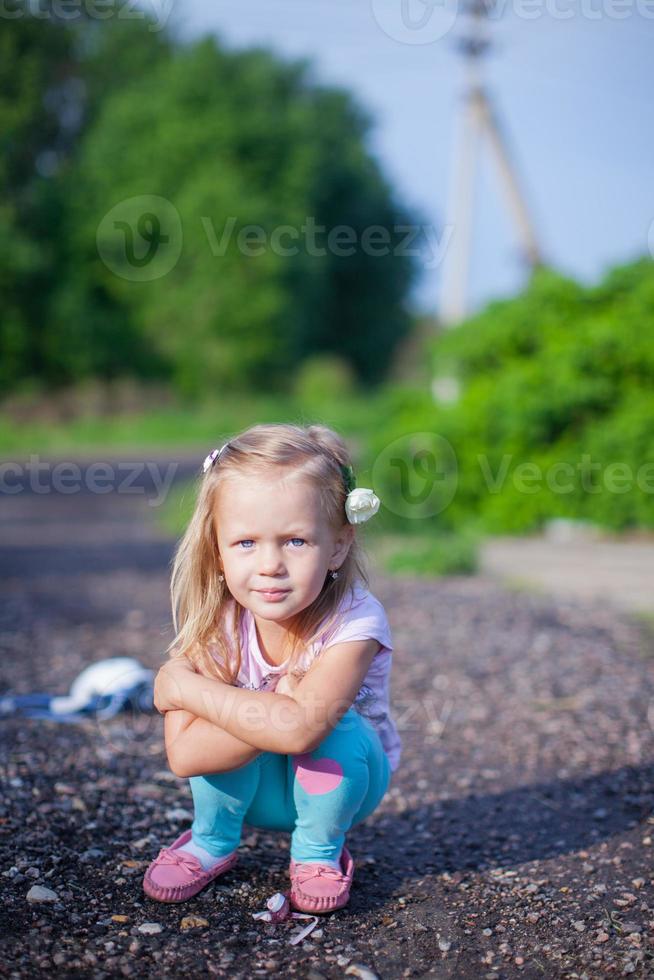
(364, 619)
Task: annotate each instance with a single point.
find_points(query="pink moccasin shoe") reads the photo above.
(320, 888)
(175, 875)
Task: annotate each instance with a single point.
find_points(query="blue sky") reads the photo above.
(573, 93)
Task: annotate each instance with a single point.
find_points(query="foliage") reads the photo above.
(100, 112)
(432, 554)
(554, 417)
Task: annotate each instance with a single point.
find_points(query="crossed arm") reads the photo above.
(212, 727)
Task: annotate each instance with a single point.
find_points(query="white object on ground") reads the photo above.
(107, 677)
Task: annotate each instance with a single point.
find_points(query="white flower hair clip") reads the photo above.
(212, 457)
(360, 505)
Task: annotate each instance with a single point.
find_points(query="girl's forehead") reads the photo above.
(259, 495)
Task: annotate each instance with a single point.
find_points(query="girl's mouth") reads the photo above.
(273, 595)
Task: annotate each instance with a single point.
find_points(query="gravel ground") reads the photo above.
(515, 839)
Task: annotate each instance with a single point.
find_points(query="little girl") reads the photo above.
(276, 696)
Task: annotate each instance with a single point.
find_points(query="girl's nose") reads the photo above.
(271, 563)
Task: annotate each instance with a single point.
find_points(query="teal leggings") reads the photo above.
(317, 796)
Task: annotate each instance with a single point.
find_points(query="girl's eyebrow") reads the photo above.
(292, 532)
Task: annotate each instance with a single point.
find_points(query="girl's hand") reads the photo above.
(168, 684)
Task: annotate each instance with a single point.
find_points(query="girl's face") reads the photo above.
(275, 544)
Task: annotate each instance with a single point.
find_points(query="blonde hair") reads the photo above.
(199, 598)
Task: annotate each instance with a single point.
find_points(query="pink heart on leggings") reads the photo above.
(317, 775)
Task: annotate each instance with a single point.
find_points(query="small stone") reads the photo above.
(627, 899)
(579, 925)
(638, 882)
(38, 893)
(193, 922)
(64, 789)
(120, 918)
(33, 873)
(444, 945)
(178, 814)
(533, 917)
(602, 937)
(361, 971)
(487, 932)
(150, 928)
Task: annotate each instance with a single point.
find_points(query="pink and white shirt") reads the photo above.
(361, 616)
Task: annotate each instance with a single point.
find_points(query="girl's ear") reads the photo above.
(342, 543)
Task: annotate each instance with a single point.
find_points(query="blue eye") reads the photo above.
(249, 541)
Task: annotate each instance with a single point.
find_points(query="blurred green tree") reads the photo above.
(105, 112)
(55, 69)
(255, 160)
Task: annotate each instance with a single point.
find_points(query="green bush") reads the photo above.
(445, 554)
(322, 379)
(554, 417)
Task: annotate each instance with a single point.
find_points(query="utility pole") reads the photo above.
(477, 117)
